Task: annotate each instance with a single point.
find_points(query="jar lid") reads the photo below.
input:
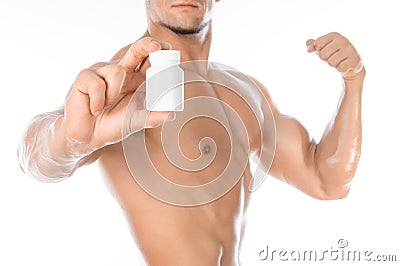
(165, 57)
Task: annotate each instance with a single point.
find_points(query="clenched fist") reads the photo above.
(339, 53)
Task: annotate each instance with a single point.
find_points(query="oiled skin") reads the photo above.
(209, 234)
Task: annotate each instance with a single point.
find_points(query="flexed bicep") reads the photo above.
(292, 152)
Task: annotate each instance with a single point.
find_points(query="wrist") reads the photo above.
(62, 146)
(354, 81)
(357, 76)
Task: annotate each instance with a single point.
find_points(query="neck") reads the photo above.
(192, 46)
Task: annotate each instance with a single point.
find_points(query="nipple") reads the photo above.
(206, 149)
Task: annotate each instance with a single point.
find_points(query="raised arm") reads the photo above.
(55, 144)
(324, 170)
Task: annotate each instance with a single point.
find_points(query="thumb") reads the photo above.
(311, 46)
(157, 118)
(137, 120)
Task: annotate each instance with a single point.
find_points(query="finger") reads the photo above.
(156, 119)
(133, 80)
(350, 67)
(344, 66)
(328, 51)
(98, 65)
(165, 45)
(336, 58)
(310, 45)
(139, 51)
(89, 83)
(114, 77)
(323, 41)
(143, 66)
(140, 119)
(346, 60)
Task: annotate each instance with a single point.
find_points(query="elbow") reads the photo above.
(332, 192)
(335, 196)
(34, 161)
(334, 182)
(30, 165)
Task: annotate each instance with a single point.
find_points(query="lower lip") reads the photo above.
(185, 7)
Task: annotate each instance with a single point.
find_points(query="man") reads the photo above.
(210, 232)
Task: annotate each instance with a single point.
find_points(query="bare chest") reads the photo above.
(208, 140)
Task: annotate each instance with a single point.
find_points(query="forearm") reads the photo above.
(44, 151)
(338, 153)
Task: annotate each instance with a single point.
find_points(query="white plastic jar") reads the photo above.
(165, 82)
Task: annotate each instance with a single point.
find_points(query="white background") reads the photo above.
(44, 45)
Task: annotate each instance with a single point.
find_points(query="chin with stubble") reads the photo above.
(184, 31)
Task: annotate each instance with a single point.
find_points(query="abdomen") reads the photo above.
(208, 234)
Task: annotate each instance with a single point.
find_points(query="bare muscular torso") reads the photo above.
(208, 234)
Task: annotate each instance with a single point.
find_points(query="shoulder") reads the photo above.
(258, 90)
(246, 86)
(249, 80)
(263, 90)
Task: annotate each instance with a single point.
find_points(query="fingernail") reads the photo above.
(154, 125)
(155, 41)
(162, 44)
(171, 117)
(167, 44)
(97, 113)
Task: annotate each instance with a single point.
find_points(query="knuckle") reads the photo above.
(343, 67)
(84, 73)
(84, 80)
(317, 44)
(346, 43)
(96, 84)
(145, 40)
(138, 52)
(335, 34)
(98, 65)
(332, 63)
(139, 48)
(323, 56)
(138, 45)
